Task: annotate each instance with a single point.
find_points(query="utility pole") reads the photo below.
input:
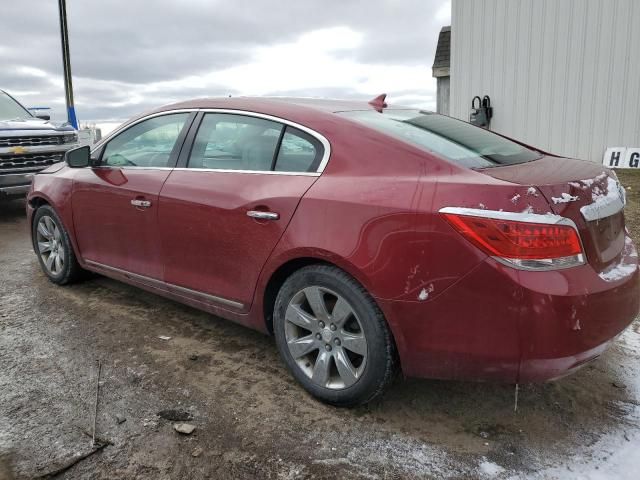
(66, 64)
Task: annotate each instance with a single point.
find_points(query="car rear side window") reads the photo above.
(299, 152)
(454, 140)
(235, 142)
(149, 143)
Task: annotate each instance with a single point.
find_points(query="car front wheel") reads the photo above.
(333, 337)
(52, 245)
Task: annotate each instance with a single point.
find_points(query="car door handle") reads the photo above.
(263, 215)
(141, 203)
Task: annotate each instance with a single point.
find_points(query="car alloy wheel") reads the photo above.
(50, 245)
(325, 338)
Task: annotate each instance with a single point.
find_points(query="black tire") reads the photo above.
(381, 358)
(70, 270)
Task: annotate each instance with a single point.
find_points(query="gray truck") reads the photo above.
(28, 144)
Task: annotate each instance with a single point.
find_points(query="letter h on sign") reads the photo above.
(613, 157)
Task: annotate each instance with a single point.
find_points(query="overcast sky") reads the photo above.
(130, 55)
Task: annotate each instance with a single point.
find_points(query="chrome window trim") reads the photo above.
(318, 136)
(130, 167)
(168, 287)
(261, 172)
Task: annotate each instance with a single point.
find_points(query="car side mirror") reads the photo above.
(44, 116)
(78, 157)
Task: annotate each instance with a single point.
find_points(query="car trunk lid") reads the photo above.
(584, 192)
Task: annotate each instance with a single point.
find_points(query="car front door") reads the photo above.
(115, 204)
(222, 213)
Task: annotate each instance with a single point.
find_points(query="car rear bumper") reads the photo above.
(502, 324)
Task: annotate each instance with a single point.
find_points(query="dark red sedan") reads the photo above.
(365, 238)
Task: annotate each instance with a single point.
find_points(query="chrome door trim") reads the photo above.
(263, 215)
(318, 136)
(140, 203)
(168, 287)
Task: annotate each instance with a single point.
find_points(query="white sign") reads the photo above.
(621, 157)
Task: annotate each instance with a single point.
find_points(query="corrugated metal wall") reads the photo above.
(563, 75)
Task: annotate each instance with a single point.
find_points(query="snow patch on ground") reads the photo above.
(415, 458)
(615, 454)
(564, 198)
(489, 469)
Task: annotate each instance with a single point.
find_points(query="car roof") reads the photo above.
(314, 113)
(274, 105)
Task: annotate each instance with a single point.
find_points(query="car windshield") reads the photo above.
(456, 141)
(10, 109)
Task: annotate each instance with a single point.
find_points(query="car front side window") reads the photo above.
(149, 143)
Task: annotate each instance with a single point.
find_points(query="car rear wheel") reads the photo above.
(53, 247)
(333, 337)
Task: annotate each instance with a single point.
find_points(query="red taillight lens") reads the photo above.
(523, 243)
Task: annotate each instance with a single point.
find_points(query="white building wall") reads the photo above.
(563, 75)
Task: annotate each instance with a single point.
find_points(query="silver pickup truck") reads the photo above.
(28, 144)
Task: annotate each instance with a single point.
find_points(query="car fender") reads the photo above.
(56, 191)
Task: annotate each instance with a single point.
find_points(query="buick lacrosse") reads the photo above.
(367, 239)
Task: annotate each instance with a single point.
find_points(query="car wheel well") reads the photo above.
(277, 279)
(37, 202)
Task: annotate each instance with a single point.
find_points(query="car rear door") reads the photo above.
(223, 210)
(115, 204)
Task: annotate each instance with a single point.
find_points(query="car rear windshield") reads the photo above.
(454, 140)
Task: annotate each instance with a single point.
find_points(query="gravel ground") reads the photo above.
(252, 420)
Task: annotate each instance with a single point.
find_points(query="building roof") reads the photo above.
(442, 60)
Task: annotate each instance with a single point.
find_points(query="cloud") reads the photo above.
(130, 56)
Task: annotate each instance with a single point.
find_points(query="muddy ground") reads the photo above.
(252, 420)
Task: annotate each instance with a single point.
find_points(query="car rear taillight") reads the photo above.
(521, 240)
